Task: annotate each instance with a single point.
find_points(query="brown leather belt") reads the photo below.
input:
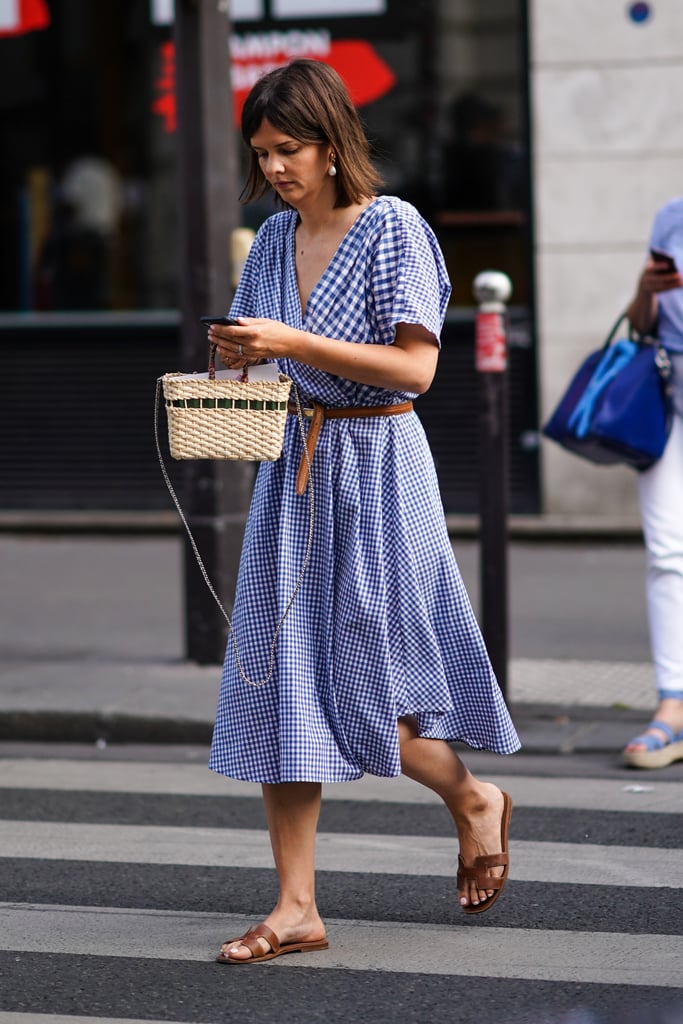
(317, 413)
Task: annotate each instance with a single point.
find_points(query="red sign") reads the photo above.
(20, 16)
(365, 74)
(491, 349)
(165, 103)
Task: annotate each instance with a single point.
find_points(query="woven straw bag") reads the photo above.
(223, 418)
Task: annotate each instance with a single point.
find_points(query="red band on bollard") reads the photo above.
(491, 347)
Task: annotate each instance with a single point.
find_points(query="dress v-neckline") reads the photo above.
(304, 312)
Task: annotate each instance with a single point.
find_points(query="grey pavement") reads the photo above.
(91, 641)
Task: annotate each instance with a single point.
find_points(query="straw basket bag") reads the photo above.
(219, 417)
(212, 417)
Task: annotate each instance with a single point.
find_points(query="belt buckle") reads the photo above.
(308, 413)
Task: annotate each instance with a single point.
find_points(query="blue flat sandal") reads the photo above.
(658, 753)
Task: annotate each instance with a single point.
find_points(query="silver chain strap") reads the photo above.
(200, 563)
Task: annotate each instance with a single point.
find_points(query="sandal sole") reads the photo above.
(666, 755)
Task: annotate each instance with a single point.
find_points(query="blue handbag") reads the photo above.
(618, 407)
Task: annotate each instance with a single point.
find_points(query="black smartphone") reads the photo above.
(227, 320)
(665, 264)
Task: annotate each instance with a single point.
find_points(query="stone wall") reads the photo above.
(607, 135)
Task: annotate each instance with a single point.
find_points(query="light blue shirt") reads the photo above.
(667, 236)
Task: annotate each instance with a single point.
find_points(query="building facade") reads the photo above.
(607, 138)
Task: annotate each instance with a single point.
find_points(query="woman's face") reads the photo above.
(296, 170)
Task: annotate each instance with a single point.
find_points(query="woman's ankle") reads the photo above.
(670, 712)
(474, 802)
(291, 921)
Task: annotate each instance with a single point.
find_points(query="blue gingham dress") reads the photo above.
(382, 626)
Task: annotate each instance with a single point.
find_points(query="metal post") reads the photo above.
(216, 495)
(492, 290)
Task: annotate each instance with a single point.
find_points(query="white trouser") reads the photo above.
(661, 507)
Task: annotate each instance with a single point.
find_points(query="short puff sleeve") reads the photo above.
(408, 278)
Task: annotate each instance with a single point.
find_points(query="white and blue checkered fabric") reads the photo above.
(382, 626)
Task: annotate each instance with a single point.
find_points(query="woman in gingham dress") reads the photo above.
(379, 660)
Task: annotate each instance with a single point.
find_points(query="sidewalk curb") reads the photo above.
(92, 726)
(540, 528)
(543, 728)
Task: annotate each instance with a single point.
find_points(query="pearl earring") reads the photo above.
(332, 171)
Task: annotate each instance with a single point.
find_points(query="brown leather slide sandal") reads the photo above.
(250, 940)
(479, 872)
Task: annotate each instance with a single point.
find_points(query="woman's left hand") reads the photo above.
(254, 340)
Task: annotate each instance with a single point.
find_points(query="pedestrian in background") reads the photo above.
(657, 308)
(380, 660)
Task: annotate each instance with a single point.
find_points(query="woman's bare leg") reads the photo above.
(476, 807)
(292, 810)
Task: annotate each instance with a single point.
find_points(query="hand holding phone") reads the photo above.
(665, 264)
(226, 320)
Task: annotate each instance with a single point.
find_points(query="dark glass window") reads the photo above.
(441, 88)
(88, 202)
(89, 237)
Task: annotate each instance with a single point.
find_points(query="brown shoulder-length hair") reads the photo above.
(308, 101)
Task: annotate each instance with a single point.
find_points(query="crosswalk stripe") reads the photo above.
(605, 957)
(197, 780)
(568, 863)
(146, 939)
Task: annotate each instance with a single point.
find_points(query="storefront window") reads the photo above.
(88, 199)
(89, 217)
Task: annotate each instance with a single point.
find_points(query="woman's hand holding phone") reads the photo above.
(664, 263)
(230, 350)
(661, 273)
